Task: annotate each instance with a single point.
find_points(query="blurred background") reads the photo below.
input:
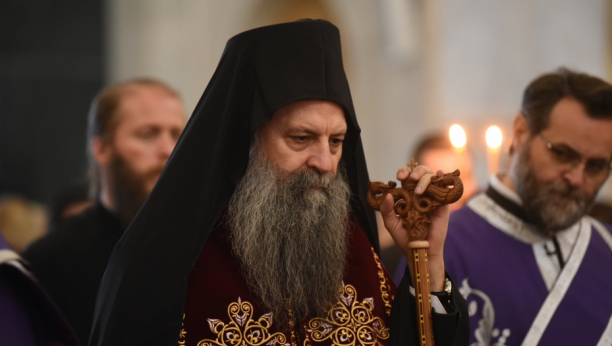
(415, 67)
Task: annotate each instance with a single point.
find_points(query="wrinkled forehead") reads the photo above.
(309, 109)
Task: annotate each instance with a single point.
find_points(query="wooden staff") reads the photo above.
(413, 209)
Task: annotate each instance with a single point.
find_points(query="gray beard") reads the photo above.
(553, 206)
(290, 238)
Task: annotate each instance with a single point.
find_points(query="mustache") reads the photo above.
(153, 172)
(564, 190)
(304, 180)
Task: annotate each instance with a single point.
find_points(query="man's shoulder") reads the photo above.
(604, 230)
(88, 221)
(75, 231)
(468, 231)
(463, 215)
(607, 226)
(466, 219)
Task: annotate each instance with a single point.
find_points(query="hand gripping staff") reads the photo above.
(414, 209)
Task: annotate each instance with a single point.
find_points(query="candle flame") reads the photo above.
(457, 136)
(494, 137)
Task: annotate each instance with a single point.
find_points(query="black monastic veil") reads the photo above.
(142, 295)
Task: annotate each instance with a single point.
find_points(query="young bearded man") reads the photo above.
(133, 128)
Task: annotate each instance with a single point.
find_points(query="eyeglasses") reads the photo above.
(566, 156)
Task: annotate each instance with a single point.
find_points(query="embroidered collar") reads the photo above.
(496, 183)
(503, 208)
(506, 198)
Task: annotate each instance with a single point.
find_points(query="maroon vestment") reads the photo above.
(221, 310)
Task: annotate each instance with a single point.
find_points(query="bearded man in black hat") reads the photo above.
(258, 231)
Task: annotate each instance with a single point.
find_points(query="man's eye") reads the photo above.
(563, 155)
(146, 134)
(176, 135)
(300, 139)
(336, 141)
(597, 165)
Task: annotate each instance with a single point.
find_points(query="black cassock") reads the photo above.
(142, 296)
(70, 260)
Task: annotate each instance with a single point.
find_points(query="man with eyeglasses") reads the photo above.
(534, 268)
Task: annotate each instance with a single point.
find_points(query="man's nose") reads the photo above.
(575, 175)
(321, 159)
(166, 145)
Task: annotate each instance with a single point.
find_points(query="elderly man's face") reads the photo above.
(303, 135)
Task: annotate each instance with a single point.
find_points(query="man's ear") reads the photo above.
(101, 151)
(520, 132)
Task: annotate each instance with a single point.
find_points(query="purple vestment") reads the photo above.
(28, 317)
(493, 256)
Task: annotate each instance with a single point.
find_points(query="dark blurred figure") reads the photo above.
(133, 128)
(22, 222)
(28, 317)
(601, 212)
(437, 152)
(70, 202)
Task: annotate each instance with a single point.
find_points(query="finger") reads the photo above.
(387, 212)
(386, 208)
(440, 173)
(438, 230)
(442, 212)
(402, 173)
(423, 183)
(419, 171)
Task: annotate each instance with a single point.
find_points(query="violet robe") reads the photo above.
(515, 296)
(28, 317)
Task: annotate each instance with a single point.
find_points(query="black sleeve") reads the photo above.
(449, 329)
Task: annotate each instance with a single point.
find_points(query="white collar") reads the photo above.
(514, 226)
(503, 190)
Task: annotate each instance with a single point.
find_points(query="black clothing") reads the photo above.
(70, 260)
(142, 296)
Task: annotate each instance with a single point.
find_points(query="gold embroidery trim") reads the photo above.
(242, 330)
(348, 323)
(294, 338)
(384, 286)
(183, 333)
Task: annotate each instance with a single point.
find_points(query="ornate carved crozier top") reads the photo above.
(414, 208)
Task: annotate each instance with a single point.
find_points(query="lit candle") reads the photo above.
(457, 137)
(494, 141)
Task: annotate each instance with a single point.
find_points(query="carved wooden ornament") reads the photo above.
(413, 208)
